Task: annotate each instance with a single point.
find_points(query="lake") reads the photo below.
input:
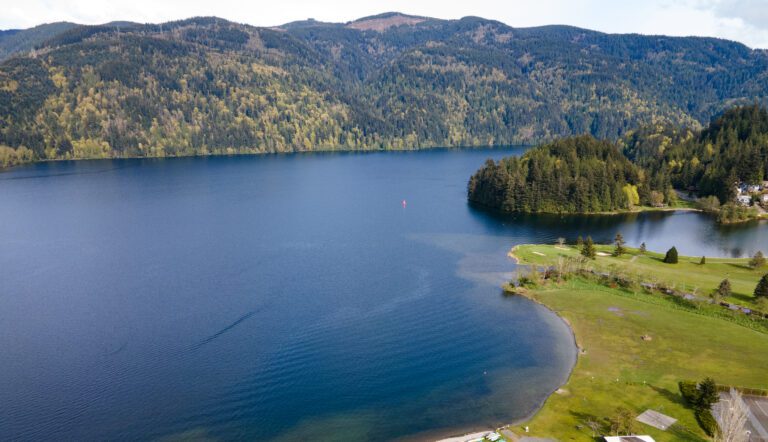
(282, 297)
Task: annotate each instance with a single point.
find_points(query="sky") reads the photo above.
(741, 20)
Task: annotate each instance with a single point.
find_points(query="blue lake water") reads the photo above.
(285, 297)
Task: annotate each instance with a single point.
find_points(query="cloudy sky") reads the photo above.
(741, 20)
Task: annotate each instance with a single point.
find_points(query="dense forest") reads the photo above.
(571, 175)
(584, 175)
(732, 149)
(206, 85)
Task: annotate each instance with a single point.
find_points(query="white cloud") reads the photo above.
(741, 20)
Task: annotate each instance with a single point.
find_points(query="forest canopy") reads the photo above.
(572, 175)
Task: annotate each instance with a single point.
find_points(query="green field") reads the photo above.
(687, 275)
(618, 368)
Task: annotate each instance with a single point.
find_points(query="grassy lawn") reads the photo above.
(618, 368)
(687, 274)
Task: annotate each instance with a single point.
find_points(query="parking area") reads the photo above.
(758, 419)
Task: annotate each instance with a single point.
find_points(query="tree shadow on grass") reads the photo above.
(743, 299)
(671, 396)
(739, 266)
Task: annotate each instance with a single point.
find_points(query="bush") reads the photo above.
(708, 204)
(671, 256)
(690, 392)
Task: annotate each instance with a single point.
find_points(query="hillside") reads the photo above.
(732, 149)
(206, 85)
(14, 41)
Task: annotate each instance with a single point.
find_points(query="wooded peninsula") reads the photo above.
(724, 165)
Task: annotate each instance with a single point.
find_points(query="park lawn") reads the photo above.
(618, 368)
(687, 275)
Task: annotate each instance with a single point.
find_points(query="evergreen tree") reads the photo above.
(703, 260)
(642, 248)
(588, 249)
(761, 291)
(671, 256)
(619, 249)
(708, 394)
(579, 242)
(757, 261)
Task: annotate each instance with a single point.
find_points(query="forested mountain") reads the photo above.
(14, 41)
(206, 85)
(732, 149)
(571, 175)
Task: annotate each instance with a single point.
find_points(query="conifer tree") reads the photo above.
(620, 249)
(671, 256)
(588, 249)
(761, 291)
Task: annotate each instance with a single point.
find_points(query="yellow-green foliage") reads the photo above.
(13, 157)
(633, 198)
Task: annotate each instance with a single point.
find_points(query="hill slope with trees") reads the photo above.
(572, 175)
(732, 149)
(206, 85)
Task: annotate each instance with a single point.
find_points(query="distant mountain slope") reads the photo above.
(15, 41)
(206, 85)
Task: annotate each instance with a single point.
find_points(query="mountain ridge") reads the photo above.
(208, 85)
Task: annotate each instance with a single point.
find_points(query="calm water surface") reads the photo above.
(280, 297)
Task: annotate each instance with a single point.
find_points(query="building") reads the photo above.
(744, 200)
(628, 439)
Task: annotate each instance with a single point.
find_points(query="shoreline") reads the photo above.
(324, 150)
(552, 418)
(538, 407)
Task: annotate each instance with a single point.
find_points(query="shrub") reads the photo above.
(707, 422)
(708, 204)
(690, 392)
(723, 290)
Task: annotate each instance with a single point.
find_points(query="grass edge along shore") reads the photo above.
(635, 345)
